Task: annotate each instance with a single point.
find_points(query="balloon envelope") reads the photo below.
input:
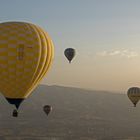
(47, 109)
(26, 53)
(69, 53)
(134, 94)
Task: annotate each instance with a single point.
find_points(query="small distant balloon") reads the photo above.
(69, 53)
(47, 109)
(134, 95)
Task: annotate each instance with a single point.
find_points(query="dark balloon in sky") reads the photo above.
(69, 53)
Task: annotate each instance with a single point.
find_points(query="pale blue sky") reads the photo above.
(105, 34)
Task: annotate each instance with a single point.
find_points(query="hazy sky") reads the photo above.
(105, 34)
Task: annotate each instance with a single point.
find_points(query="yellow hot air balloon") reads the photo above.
(26, 53)
(134, 95)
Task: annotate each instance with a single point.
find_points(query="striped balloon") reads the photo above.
(26, 53)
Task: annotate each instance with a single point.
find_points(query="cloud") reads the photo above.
(123, 53)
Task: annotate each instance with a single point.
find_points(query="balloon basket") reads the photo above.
(15, 113)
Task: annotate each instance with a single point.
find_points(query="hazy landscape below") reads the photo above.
(77, 114)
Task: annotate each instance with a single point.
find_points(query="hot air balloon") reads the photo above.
(134, 95)
(47, 109)
(26, 54)
(69, 53)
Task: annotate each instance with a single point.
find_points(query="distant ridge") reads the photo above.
(77, 113)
